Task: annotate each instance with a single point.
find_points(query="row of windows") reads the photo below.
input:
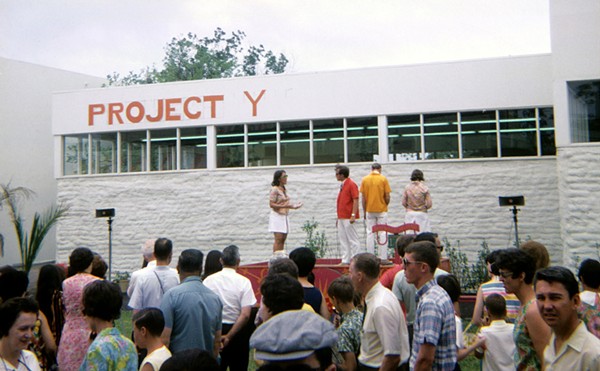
(453, 135)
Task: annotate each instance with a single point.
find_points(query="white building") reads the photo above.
(26, 143)
(193, 161)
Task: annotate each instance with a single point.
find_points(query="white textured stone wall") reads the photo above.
(211, 209)
(579, 185)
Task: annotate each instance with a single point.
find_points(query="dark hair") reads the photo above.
(190, 261)
(99, 266)
(163, 248)
(367, 263)
(341, 288)
(343, 170)
(429, 236)
(538, 252)
(280, 292)
(284, 265)
(491, 260)
(191, 360)
(589, 273)
(13, 283)
(150, 318)
(102, 299)
(376, 166)
(450, 283)
(10, 311)
(517, 261)
(305, 259)
(426, 252)
(402, 241)
(417, 175)
(49, 281)
(561, 275)
(80, 260)
(277, 178)
(213, 263)
(231, 255)
(496, 305)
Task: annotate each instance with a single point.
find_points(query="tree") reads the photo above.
(30, 243)
(194, 58)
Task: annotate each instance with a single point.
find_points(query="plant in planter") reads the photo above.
(315, 240)
(122, 279)
(472, 275)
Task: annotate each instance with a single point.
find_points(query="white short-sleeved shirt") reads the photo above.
(580, 352)
(157, 358)
(384, 328)
(234, 290)
(136, 274)
(500, 346)
(151, 285)
(27, 362)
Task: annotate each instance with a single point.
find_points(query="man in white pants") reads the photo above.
(376, 192)
(347, 213)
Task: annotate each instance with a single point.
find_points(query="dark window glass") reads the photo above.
(546, 117)
(193, 148)
(441, 135)
(133, 151)
(262, 144)
(404, 137)
(478, 132)
(104, 153)
(328, 141)
(75, 161)
(163, 150)
(230, 146)
(295, 142)
(517, 132)
(584, 111)
(363, 142)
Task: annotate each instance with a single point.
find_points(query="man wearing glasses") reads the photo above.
(434, 341)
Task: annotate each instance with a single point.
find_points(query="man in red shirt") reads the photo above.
(347, 213)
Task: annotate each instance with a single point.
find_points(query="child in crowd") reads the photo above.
(148, 325)
(341, 293)
(498, 337)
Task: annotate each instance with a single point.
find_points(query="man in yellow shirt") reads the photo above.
(376, 191)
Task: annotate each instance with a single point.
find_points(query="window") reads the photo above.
(262, 144)
(295, 142)
(584, 111)
(478, 133)
(230, 146)
(518, 132)
(193, 148)
(328, 141)
(363, 139)
(133, 151)
(441, 135)
(546, 119)
(404, 137)
(163, 150)
(75, 154)
(104, 153)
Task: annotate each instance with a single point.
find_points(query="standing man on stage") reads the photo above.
(376, 192)
(347, 213)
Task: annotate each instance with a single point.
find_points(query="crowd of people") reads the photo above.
(204, 315)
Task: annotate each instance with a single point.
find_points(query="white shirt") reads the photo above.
(588, 297)
(384, 329)
(157, 358)
(580, 352)
(500, 346)
(151, 285)
(136, 274)
(27, 362)
(234, 290)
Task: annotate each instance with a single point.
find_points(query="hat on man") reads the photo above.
(292, 335)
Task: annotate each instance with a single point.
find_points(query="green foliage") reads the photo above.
(192, 58)
(470, 276)
(315, 240)
(30, 243)
(121, 276)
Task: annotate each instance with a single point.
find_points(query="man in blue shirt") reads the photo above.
(193, 313)
(434, 341)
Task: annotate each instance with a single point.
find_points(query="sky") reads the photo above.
(99, 37)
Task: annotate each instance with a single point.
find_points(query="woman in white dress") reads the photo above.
(280, 204)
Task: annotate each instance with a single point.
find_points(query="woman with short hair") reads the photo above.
(18, 317)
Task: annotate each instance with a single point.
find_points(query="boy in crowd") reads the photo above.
(498, 337)
(341, 294)
(148, 325)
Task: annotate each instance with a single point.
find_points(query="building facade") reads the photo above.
(193, 161)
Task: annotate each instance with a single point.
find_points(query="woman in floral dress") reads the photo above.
(75, 338)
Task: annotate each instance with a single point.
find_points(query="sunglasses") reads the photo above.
(407, 263)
